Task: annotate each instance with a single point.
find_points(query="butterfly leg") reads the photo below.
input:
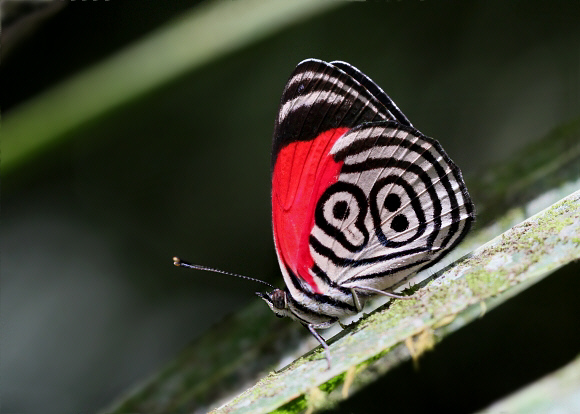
(377, 291)
(356, 300)
(319, 338)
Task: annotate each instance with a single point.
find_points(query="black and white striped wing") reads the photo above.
(399, 205)
(321, 96)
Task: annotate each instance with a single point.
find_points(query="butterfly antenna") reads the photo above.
(180, 263)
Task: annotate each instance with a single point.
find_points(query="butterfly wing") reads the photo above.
(375, 89)
(399, 205)
(321, 96)
(320, 103)
(359, 197)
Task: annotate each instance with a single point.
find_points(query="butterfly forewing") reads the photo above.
(373, 88)
(319, 97)
(319, 104)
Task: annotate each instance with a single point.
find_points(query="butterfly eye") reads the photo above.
(278, 298)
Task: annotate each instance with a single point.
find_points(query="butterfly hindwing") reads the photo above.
(399, 200)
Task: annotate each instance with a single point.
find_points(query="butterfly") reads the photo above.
(361, 200)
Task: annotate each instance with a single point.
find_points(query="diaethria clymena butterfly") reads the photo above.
(361, 200)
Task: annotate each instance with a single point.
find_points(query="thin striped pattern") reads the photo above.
(320, 96)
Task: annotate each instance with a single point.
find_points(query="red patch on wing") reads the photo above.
(303, 171)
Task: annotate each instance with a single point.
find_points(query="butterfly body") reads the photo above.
(361, 200)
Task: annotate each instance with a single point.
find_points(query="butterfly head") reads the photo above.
(277, 301)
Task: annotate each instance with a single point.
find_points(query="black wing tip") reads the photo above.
(310, 60)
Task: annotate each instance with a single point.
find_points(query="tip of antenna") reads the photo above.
(176, 261)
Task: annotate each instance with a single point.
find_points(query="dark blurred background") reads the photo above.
(90, 301)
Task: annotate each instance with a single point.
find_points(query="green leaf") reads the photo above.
(208, 32)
